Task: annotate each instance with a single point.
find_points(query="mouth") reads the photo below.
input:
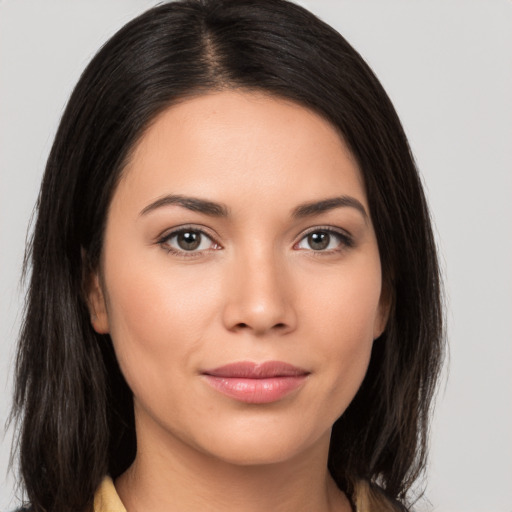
(256, 383)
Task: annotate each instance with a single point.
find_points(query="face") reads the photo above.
(240, 278)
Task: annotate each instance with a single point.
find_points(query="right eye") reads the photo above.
(187, 240)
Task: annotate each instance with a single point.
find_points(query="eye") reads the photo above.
(324, 240)
(187, 240)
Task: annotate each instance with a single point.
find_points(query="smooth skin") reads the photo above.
(261, 275)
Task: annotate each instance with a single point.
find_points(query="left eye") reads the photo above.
(188, 240)
(322, 240)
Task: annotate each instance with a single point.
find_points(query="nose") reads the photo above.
(259, 296)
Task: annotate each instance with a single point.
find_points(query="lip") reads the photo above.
(256, 383)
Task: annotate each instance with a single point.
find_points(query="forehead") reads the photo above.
(241, 145)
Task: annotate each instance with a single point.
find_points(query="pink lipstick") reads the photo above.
(256, 383)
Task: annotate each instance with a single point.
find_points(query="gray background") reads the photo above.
(447, 66)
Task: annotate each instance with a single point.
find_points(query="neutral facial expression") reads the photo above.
(240, 278)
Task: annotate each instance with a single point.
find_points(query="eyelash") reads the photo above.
(164, 242)
(345, 241)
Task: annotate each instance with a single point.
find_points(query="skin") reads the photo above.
(254, 290)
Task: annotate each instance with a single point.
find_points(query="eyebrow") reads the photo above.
(220, 210)
(317, 207)
(191, 203)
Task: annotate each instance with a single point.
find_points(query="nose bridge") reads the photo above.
(259, 297)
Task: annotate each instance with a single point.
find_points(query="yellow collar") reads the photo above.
(106, 498)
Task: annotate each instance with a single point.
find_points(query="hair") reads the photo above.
(72, 405)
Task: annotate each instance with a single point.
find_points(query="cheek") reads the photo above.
(346, 304)
(158, 319)
(345, 339)
(343, 313)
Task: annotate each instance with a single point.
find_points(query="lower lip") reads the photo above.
(256, 391)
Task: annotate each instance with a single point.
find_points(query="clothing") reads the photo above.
(106, 498)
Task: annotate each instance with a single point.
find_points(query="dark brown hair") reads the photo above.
(73, 407)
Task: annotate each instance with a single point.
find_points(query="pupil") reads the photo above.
(319, 240)
(189, 240)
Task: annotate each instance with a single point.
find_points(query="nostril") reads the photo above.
(243, 325)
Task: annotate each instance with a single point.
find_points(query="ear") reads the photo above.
(383, 312)
(97, 305)
(95, 297)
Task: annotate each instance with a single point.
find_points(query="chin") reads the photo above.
(264, 446)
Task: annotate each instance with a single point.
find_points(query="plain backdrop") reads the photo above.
(447, 66)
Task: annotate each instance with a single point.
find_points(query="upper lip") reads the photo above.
(251, 370)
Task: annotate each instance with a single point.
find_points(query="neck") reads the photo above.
(169, 475)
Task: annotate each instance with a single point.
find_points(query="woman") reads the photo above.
(234, 296)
